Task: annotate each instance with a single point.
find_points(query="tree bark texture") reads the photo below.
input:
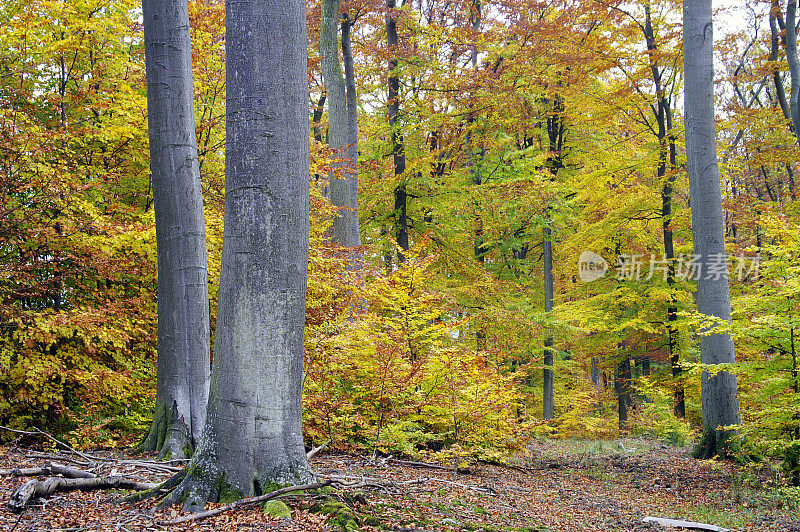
(396, 133)
(794, 65)
(352, 127)
(548, 409)
(719, 395)
(345, 223)
(252, 438)
(183, 315)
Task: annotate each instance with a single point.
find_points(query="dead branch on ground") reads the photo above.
(35, 488)
(245, 502)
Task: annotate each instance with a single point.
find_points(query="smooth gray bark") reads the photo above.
(780, 92)
(352, 130)
(398, 142)
(719, 394)
(345, 224)
(183, 316)
(794, 65)
(252, 438)
(547, 390)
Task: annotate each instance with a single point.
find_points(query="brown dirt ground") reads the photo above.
(559, 486)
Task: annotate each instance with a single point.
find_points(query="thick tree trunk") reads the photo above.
(398, 143)
(345, 223)
(252, 438)
(719, 394)
(548, 409)
(183, 318)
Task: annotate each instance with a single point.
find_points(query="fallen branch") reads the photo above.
(428, 465)
(482, 489)
(676, 523)
(48, 469)
(244, 502)
(35, 488)
(59, 457)
(315, 450)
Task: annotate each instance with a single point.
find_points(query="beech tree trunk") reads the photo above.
(794, 65)
(252, 438)
(352, 129)
(398, 143)
(622, 386)
(345, 223)
(719, 394)
(183, 317)
(548, 409)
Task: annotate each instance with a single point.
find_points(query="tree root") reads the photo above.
(168, 435)
(721, 444)
(244, 502)
(35, 488)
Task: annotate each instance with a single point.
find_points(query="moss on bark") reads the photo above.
(723, 444)
(168, 435)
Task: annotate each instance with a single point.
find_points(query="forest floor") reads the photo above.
(568, 485)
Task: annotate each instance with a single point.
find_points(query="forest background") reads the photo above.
(525, 126)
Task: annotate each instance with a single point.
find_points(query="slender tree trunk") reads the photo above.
(794, 462)
(774, 22)
(719, 394)
(623, 389)
(316, 119)
(555, 134)
(252, 438)
(345, 223)
(352, 130)
(794, 65)
(595, 372)
(780, 92)
(669, 255)
(547, 390)
(398, 143)
(183, 316)
(666, 153)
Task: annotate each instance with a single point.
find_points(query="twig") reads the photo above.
(155, 466)
(427, 465)
(61, 457)
(50, 437)
(244, 502)
(16, 523)
(482, 489)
